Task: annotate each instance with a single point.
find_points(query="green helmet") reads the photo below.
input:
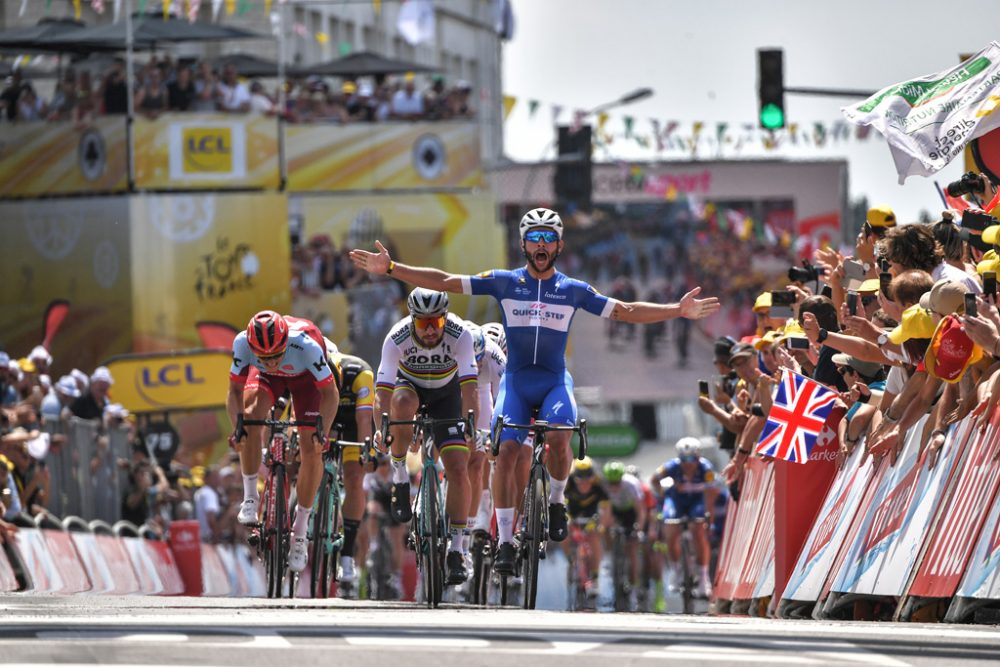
(614, 471)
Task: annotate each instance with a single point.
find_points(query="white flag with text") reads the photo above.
(928, 121)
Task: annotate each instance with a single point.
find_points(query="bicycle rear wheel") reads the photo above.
(533, 538)
(480, 569)
(619, 562)
(687, 556)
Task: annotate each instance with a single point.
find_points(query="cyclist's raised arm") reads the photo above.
(421, 276)
(640, 312)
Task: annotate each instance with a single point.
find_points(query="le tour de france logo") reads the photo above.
(229, 267)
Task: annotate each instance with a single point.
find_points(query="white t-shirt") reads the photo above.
(233, 97)
(956, 275)
(402, 103)
(895, 380)
(206, 501)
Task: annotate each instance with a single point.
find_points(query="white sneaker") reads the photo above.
(675, 578)
(704, 588)
(298, 554)
(248, 511)
(348, 573)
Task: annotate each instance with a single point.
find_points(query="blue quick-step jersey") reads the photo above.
(537, 313)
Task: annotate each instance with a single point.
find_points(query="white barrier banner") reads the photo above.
(830, 528)
(883, 520)
(101, 579)
(45, 577)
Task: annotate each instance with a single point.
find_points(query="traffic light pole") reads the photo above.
(831, 92)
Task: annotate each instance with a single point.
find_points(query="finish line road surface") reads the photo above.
(98, 630)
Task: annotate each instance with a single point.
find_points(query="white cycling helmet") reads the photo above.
(495, 331)
(478, 339)
(424, 302)
(541, 218)
(688, 446)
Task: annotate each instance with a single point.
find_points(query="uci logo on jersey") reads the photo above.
(207, 150)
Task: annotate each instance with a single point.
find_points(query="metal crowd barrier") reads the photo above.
(85, 478)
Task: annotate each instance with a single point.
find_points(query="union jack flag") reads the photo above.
(798, 412)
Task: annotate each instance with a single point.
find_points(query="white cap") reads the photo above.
(45, 381)
(366, 90)
(67, 387)
(39, 447)
(39, 353)
(82, 380)
(4, 359)
(116, 410)
(102, 374)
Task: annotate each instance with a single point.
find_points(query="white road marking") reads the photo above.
(398, 641)
(572, 647)
(716, 654)
(110, 635)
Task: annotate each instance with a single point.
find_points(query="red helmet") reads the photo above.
(267, 333)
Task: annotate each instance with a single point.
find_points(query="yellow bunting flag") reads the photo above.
(77, 9)
(322, 37)
(230, 7)
(377, 6)
(671, 193)
(602, 119)
(508, 105)
(267, 7)
(166, 9)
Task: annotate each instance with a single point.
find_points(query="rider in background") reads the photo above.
(586, 498)
(492, 362)
(274, 355)
(427, 359)
(628, 510)
(356, 383)
(538, 304)
(690, 496)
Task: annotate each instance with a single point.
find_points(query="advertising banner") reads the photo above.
(454, 232)
(386, 156)
(71, 251)
(756, 483)
(761, 547)
(828, 530)
(188, 380)
(205, 258)
(973, 491)
(882, 555)
(206, 151)
(60, 158)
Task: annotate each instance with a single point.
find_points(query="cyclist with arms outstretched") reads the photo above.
(537, 303)
(273, 356)
(427, 359)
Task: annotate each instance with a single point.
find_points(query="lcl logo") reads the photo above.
(170, 375)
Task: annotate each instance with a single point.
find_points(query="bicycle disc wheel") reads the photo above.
(533, 539)
(318, 586)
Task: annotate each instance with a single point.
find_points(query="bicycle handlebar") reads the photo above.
(242, 421)
(540, 427)
(426, 423)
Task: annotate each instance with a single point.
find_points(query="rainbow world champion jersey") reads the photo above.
(537, 313)
(427, 367)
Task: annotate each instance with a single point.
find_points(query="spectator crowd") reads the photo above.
(35, 439)
(905, 325)
(163, 85)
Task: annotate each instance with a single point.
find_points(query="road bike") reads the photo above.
(379, 569)
(529, 542)
(273, 533)
(429, 525)
(326, 528)
(578, 571)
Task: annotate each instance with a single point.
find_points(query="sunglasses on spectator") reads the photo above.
(868, 300)
(429, 322)
(270, 357)
(541, 236)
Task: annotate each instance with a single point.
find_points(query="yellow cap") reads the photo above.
(792, 330)
(409, 76)
(349, 88)
(767, 340)
(881, 216)
(915, 323)
(27, 365)
(763, 301)
(990, 262)
(870, 286)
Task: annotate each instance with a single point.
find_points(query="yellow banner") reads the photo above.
(206, 151)
(189, 380)
(205, 258)
(382, 156)
(39, 158)
(66, 249)
(454, 232)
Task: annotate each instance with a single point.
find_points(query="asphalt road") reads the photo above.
(88, 630)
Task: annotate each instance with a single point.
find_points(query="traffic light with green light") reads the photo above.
(771, 88)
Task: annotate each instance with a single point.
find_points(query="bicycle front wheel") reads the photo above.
(533, 538)
(431, 535)
(276, 531)
(319, 587)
